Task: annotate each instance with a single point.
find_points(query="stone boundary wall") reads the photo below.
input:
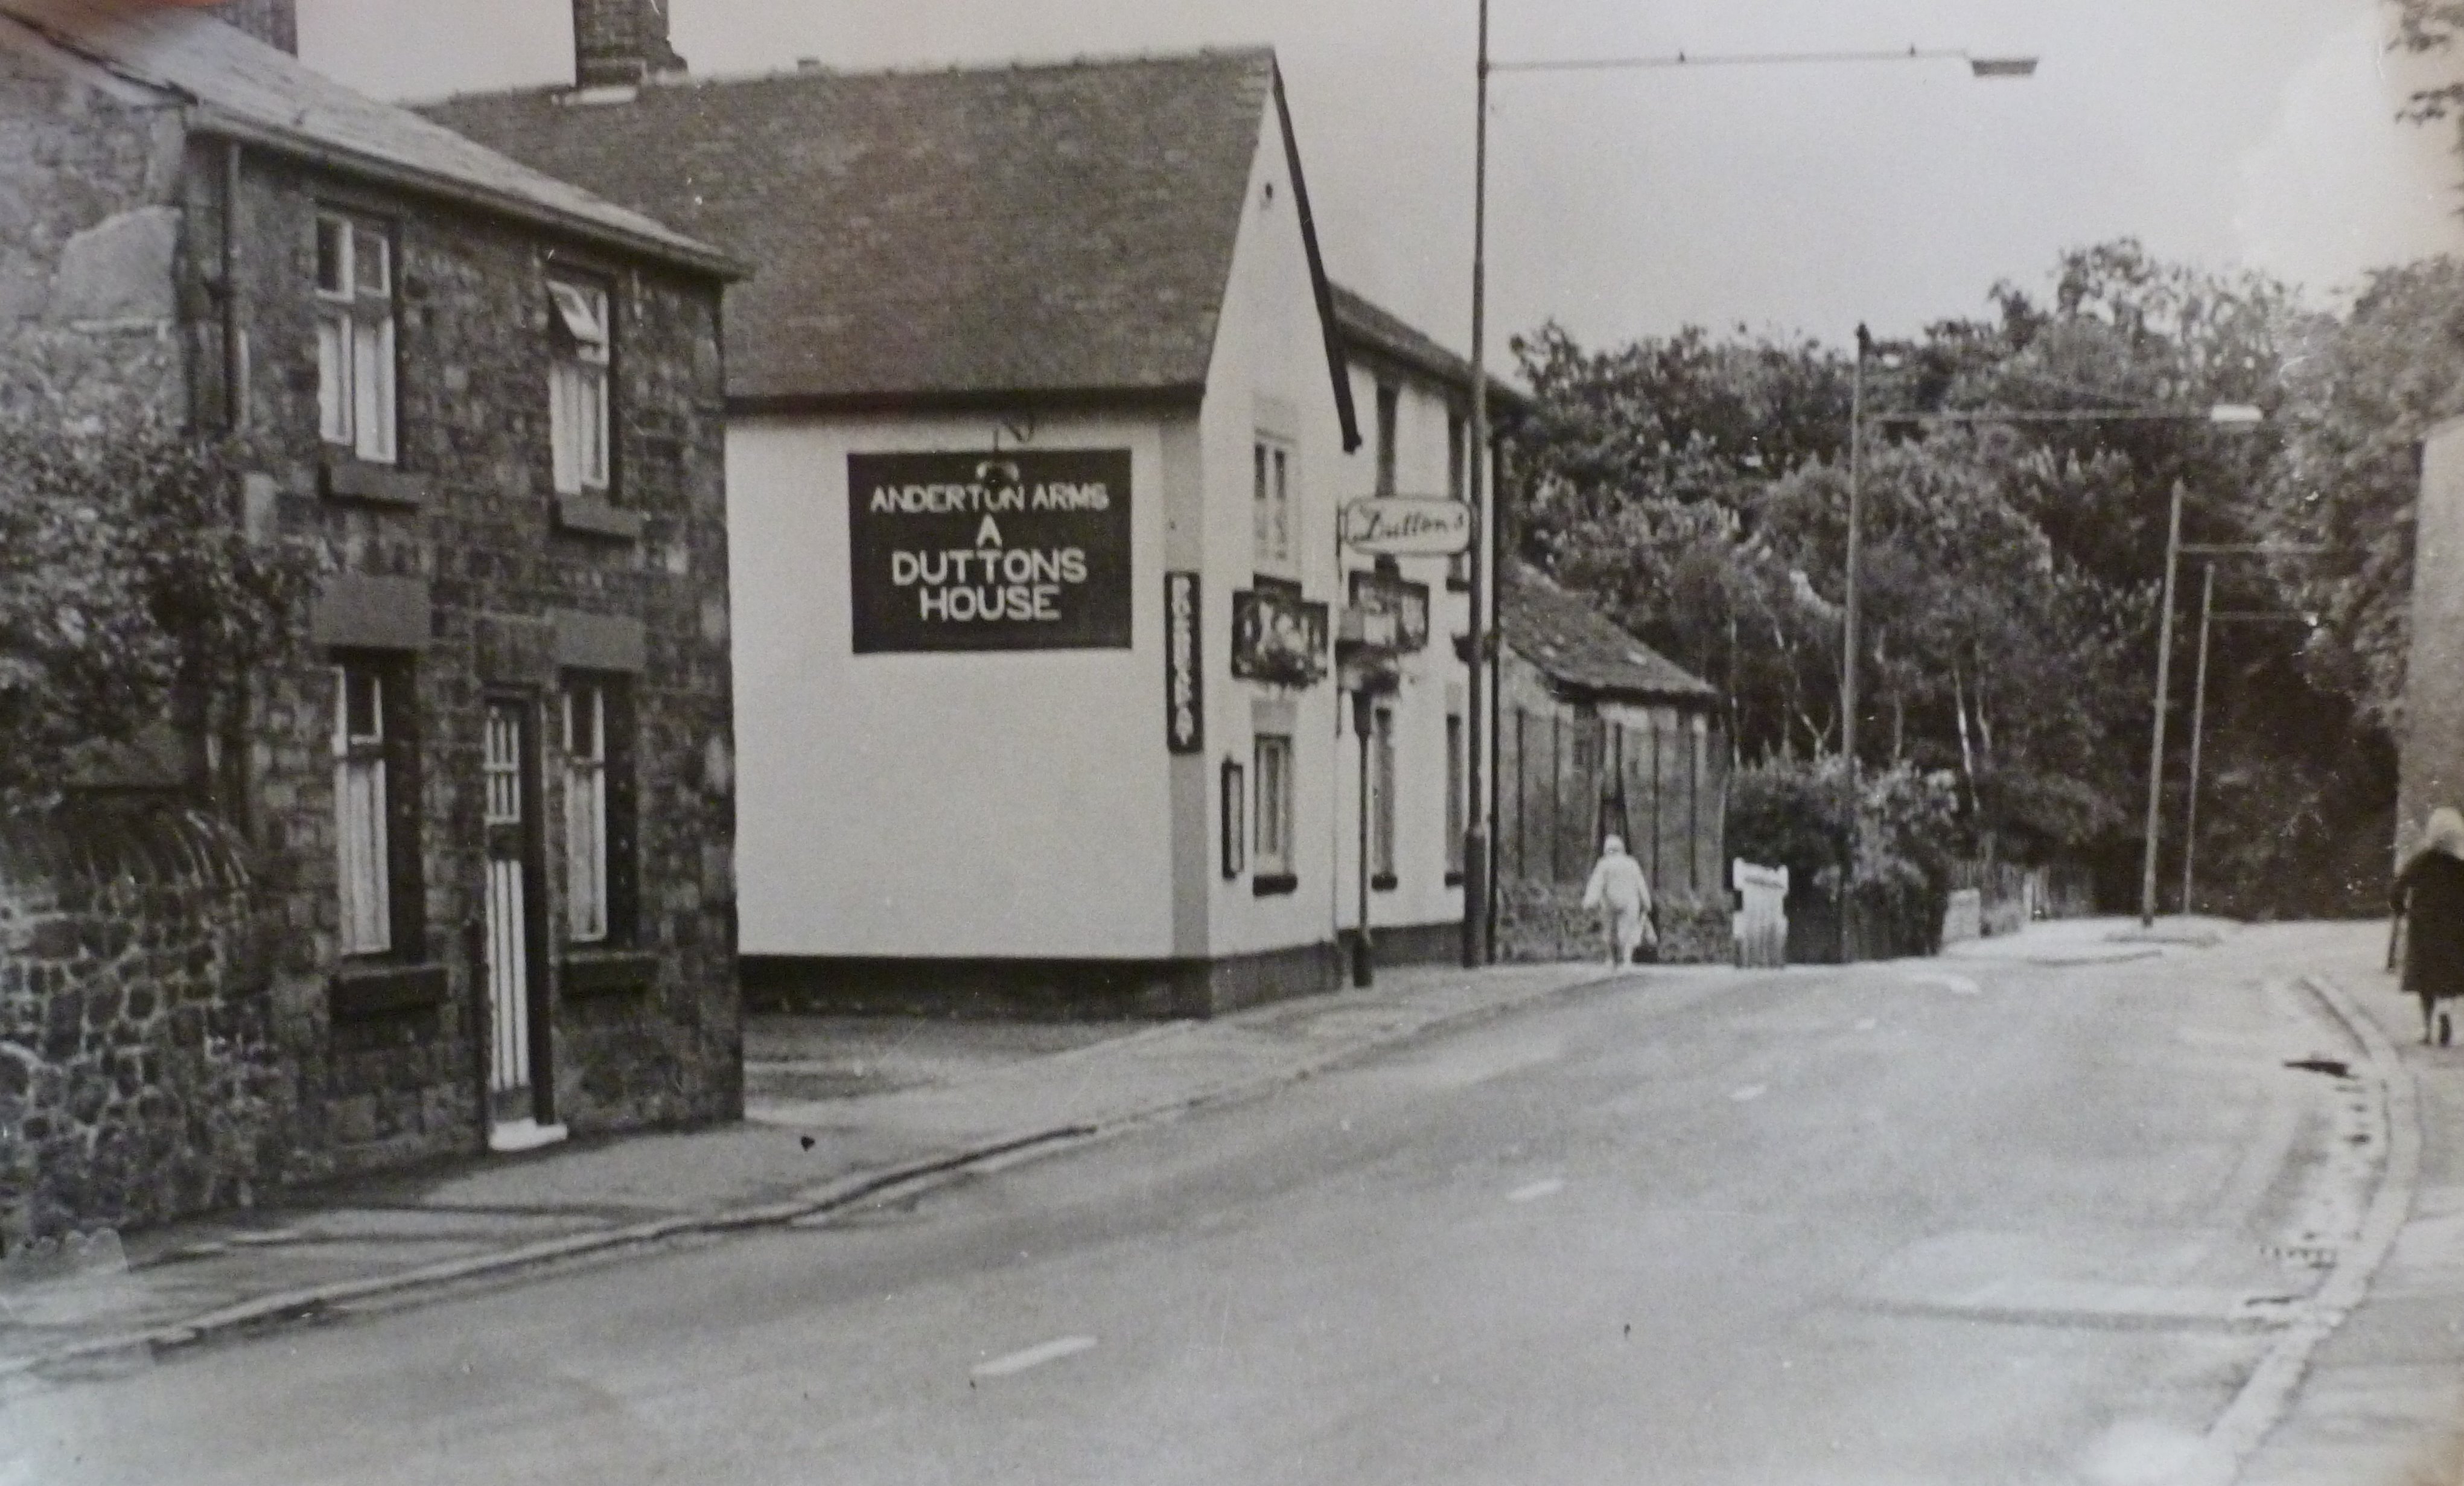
(1542, 922)
(142, 1076)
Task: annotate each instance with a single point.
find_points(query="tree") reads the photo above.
(129, 596)
(2425, 26)
(1695, 488)
(2358, 402)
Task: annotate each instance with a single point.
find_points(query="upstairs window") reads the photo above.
(1457, 468)
(1459, 487)
(355, 342)
(1389, 411)
(1272, 504)
(579, 337)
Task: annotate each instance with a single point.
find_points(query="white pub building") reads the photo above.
(1040, 417)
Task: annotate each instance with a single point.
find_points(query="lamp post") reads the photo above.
(1480, 886)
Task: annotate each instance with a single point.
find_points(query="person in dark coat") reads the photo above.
(2429, 899)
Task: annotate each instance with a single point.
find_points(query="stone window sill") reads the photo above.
(373, 484)
(607, 972)
(1274, 885)
(590, 516)
(358, 993)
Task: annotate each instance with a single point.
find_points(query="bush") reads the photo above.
(1792, 812)
(128, 593)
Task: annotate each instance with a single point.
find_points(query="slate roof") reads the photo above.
(1366, 326)
(238, 87)
(1570, 643)
(1063, 232)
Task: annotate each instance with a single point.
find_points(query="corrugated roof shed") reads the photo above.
(1568, 641)
(1054, 231)
(237, 86)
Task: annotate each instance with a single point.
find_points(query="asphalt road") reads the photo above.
(1907, 1223)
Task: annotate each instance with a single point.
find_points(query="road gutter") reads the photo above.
(2269, 1393)
(808, 1209)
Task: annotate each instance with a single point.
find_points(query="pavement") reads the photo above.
(2365, 1383)
(840, 1112)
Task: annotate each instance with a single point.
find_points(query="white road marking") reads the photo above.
(1956, 985)
(1549, 1187)
(1036, 1356)
(1751, 1090)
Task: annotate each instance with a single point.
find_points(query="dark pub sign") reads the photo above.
(1025, 549)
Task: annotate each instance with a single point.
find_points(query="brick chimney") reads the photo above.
(616, 42)
(273, 22)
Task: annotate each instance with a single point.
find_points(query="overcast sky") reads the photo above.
(2255, 133)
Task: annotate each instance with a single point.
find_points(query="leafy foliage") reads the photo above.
(1794, 813)
(2359, 397)
(2012, 573)
(128, 592)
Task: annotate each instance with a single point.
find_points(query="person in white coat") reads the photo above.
(1622, 896)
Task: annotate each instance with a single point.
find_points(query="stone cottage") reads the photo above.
(469, 884)
(1599, 734)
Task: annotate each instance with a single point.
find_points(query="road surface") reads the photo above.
(1921, 1222)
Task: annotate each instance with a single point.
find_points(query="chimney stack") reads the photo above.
(273, 22)
(617, 43)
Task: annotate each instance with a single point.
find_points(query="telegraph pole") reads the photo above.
(2163, 690)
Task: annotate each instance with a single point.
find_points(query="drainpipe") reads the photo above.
(235, 357)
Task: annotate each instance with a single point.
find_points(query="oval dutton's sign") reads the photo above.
(1407, 526)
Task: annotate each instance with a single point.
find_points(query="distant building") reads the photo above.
(1602, 735)
(2430, 768)
(1041, 411)
(484, 894)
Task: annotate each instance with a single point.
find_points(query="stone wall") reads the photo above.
(273, 22)
(2430, 768)
(143, 1071)
(89, 327)
(1542, 922)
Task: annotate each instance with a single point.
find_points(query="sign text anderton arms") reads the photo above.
(1025, 549)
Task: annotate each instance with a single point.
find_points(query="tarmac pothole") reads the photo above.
(2332, 1067)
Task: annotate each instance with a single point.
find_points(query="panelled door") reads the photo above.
(517, 1061)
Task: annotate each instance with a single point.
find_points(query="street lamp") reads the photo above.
(1480, 763)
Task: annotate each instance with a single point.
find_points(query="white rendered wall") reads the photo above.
(1270, 365)
(1432, 679)
(971, 804)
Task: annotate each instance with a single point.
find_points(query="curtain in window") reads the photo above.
(585, 812)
